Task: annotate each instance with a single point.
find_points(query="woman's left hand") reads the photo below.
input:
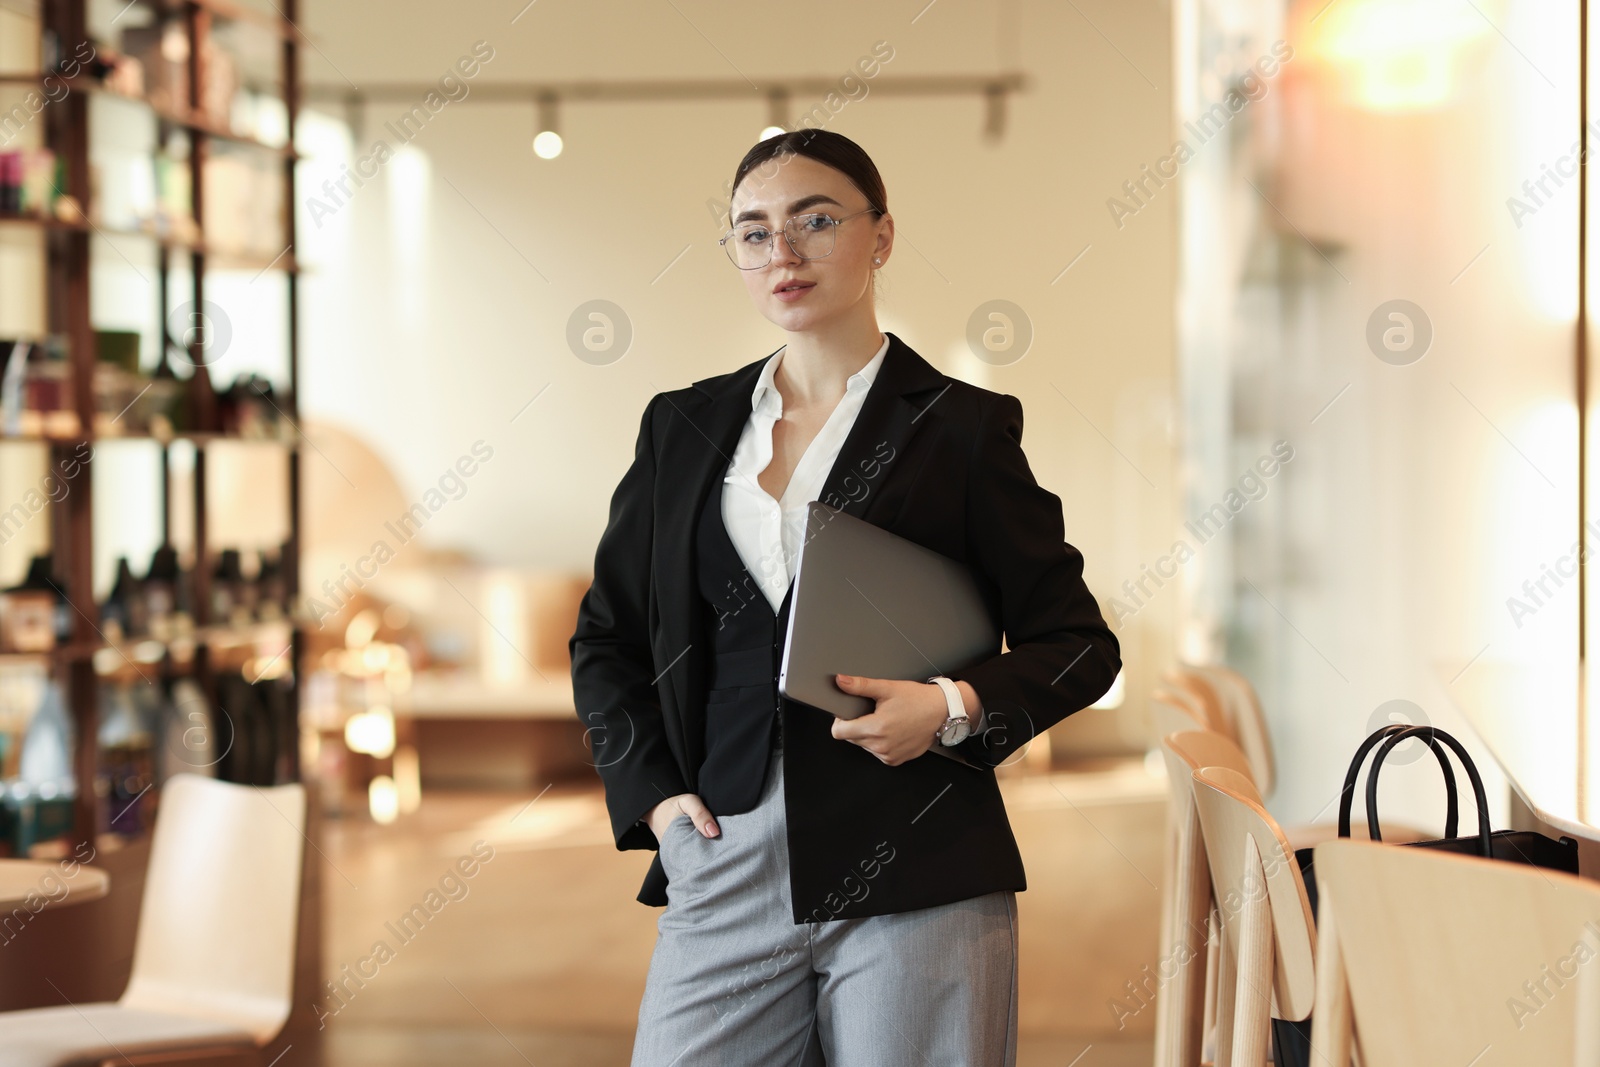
(902, 726)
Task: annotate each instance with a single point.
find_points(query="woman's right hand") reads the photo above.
(682, 803)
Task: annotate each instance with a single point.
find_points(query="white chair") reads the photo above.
(213, 959)
(1427, 957)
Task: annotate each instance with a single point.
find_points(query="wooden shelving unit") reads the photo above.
(67, 132)
(185, 266)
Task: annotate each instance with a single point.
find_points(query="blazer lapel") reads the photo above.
(890, 416)
(697, 450)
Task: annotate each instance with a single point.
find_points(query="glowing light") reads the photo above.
(505, 631)
(375, 657)
(371, 732)
(547, 144)
(359, 633)
(408, 778)
(1399, 55)
(382, 799)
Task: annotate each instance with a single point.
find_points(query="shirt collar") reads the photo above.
(766, 390)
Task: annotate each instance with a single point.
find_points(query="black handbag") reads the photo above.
(1292, 1040)
(1513, 846)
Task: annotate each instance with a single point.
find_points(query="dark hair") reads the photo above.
(824, 146)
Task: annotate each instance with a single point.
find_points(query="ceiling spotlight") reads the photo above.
(546, 141)
(777, 114)
(547, 144)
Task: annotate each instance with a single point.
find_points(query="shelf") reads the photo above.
(220, 258)
(188, 120)
(199, 440)
(150, 651)
(224, 9)
(70, 275)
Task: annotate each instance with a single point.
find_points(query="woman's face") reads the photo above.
(797, 185)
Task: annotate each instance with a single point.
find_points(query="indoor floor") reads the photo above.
(494, 978)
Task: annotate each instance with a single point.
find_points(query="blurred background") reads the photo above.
(326, 327)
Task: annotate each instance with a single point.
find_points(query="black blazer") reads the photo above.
(930, 458)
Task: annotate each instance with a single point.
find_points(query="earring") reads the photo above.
(876, 260)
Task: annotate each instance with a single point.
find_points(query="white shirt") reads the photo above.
(767, 532)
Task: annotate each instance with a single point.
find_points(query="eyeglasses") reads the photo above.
(811, 236)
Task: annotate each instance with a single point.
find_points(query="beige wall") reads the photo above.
(442, 290)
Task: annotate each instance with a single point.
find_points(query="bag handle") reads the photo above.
(1430, 732)
(1345, 799)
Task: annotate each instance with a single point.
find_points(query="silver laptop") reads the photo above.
(871, 603)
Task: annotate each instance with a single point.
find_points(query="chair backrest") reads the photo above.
(1192, 749)
(218, 923)
(1231, 814)
(1186, 896)
(1201, 693)
(1444, 956)
(1242, 706)
(1232, 707)
(1172, 713)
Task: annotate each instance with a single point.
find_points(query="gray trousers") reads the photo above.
(733, 981)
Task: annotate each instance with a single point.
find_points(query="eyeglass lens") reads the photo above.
(811, 237)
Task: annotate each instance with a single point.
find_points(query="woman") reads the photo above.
(827, 882)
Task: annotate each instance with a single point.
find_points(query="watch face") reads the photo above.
(955, 732)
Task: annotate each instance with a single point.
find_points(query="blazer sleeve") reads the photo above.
(613, 671)
(1060, 657)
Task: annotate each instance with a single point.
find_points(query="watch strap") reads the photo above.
(953, 702)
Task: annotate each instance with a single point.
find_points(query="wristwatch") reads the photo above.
(956, 728)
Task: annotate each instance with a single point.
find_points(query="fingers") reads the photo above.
(869, 736)
(699, 814)
(877, 688)
(848, 729)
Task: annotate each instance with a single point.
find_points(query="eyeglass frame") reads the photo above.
(784, 229)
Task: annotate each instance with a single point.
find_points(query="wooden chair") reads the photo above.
(1428, 957)
(213, 956)
(1191, 706)
(1242, 705)
(1186, 1003)
(1172, 714)
(1186, 1000)
(1267, 955)
(1233, 706)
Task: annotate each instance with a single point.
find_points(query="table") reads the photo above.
(1527, 717)
(22, 880)
(478, 734)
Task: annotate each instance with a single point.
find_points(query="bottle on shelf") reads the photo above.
(271, 586)
(126, 769)
(166, 397)
(36, 389)
(249, 587)
(35, 615)
(125, 614)
(169, 596)
(39, 801)
(46, 760)
(228, 590)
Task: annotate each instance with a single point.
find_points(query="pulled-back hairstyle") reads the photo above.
(824, 146)
(834, 149)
